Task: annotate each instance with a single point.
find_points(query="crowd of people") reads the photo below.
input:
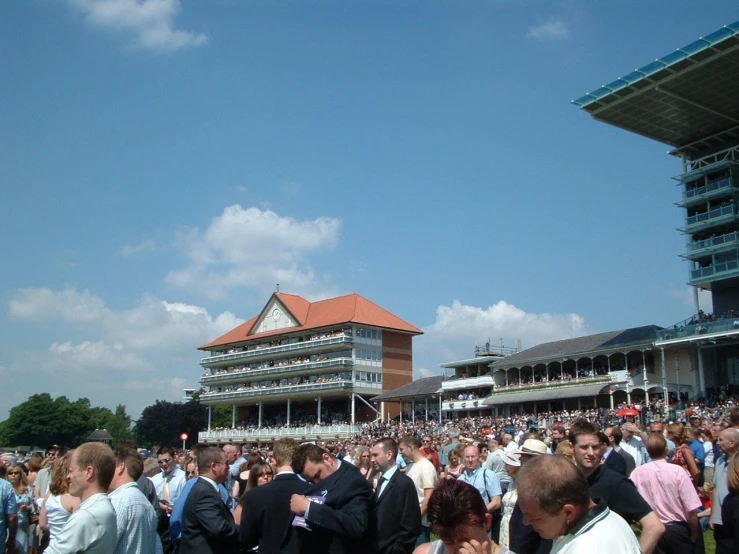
(469, 486)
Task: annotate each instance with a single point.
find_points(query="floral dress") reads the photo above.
(509, 502)
(22, 537)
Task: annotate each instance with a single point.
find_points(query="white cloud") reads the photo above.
(70, 305)
(140, 248)
(458, 328)
(149, 348)
(255, 248)
(151, 21)
(551, 29)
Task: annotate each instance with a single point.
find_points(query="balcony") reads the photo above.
(286, 390)
(313, 346)
(246, 375)
(702, 248)
(708, 191)
(457, 405)
(267, 433)
(605, 379)
(700, 328)
(715, 272)
(467, 383)
(723, 214)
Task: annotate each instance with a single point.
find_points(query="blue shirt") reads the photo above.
(175, 519)
(485, 481)
(8, 506)
(699, 453)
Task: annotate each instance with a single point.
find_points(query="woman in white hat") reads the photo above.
(512, 462)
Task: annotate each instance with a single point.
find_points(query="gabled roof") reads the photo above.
(582, 346)
(420, 388)
(341, 310)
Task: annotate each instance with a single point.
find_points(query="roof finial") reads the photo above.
(278, 287)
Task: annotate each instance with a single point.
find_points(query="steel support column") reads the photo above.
(210, 413)
(288, 411)
(233, 416)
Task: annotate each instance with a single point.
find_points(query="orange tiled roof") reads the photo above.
(351, 308)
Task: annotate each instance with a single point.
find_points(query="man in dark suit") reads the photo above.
(614, 436)
(207, 524)
(398, 511)
(343, 519)
(266, 519)
(612, 459)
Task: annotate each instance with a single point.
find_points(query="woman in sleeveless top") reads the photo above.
(457, 513)
(58, 504)
(683, 456)
(512, 462)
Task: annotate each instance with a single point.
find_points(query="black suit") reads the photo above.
(398, 515)
(616, 462)
(630, 461)
(346, 523)
(207, 524)
(523, 538)
(266, 519)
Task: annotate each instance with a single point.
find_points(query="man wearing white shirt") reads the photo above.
(92, 527)
(632, 444)
(170, 481)
(135, 516)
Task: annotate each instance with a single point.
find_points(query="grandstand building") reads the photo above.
(595, 371)
(304, 369)
(689, 100)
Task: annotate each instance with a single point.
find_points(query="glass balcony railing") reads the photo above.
(715, 186)
(277, 391)
(704, 217)
(729, 238)
(699, 328)
(301, 432)
(270, 351)
(715, 269)
(251, 374)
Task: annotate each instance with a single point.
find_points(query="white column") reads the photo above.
(288, 411)
(610, 394)
(233, 416)
(664, 378)
(413, 414)
(427, 408)
(701, 374)
(644, 376)
(210, 413)
(401, 411)
(319, 410)
(382, 411)
(352, 408)
(259, 424)
(440, 408)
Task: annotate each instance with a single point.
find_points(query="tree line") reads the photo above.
(42, 420)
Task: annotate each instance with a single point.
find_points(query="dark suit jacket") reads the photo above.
(207, 524)
(523, 538)
(266, 519)
(346, 523)
(630, 461)
(398, 515)
(616, 462)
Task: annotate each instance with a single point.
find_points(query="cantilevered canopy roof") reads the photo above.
(420, 388)
(554, 393)
(688, 99)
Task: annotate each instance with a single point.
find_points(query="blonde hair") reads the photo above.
(23, 482)
(677, 431)
(59, 484)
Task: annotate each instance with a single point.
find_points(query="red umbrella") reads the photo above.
(627, 412)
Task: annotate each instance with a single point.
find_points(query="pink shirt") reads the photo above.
(667, 489)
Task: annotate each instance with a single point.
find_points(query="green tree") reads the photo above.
(41, 420)
(163, 422)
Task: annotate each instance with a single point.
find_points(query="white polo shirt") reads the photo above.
(599, 530)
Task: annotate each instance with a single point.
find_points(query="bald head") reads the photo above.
(657, 446)
(728, 441)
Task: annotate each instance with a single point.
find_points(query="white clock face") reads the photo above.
(276, 314)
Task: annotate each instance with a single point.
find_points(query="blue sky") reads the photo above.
(165, 164)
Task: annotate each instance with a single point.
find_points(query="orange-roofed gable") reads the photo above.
(351, 308)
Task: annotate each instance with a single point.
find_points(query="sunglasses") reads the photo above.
(13, 473)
